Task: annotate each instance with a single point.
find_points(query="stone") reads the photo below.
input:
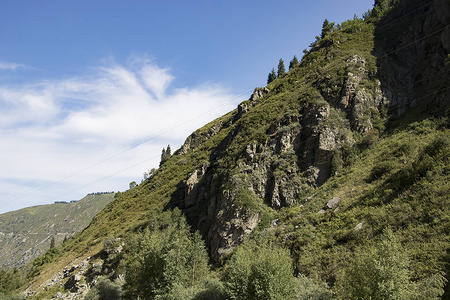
(359, 226)
(333, 202)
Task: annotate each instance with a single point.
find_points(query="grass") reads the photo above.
(395, 175)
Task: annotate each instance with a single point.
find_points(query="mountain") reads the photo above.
(26, 233)
(331, 181)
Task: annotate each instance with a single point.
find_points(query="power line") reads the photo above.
(404, 16)
(128, 149)
(190, 120)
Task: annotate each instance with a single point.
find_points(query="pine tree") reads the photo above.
(281, 69)
(327, 28)
(272, 76)
(293, 63)
(52, 243)
(165, 155)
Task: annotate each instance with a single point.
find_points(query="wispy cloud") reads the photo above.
(11, 66)
(51, 130)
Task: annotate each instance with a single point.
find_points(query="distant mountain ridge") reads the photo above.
(26, 233)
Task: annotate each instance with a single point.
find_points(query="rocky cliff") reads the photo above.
(278, 153)
(338, 96)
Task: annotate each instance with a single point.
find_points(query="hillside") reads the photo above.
(332, 180)
(26, 233)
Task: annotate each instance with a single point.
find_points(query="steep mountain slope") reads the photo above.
(351, 141)
(26, 233)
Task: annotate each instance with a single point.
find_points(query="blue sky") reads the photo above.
(90, 91)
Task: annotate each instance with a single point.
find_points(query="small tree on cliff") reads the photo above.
(293, 63)
(165, 155)
(327, 28)
(272, 76)
(52, 243)
(281, 69)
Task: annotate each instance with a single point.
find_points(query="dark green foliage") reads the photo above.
(105, 289)
(281, 69)
(166, 258)
(52, 243)
(165, 155)
(10, 280)
(381, 7)
(369, 138)
(272, 76)
(395, 178)
(247, 200)
(307, 289)
(260, 272)
(293, 63)
(382, 273)
(327, 28)
(50, 256)
(379, 170)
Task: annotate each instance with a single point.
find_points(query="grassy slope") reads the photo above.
(402, 182)
(26, 233)
(398, 181)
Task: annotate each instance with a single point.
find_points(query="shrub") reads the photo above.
(105, 289)
(167, 259)
(382, 273)
(260, 272)
(379, 170)
(307, 289)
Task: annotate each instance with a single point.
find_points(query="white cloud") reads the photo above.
(11, 66)
(156, 79)
(73, 130)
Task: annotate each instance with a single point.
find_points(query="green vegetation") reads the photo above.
(105, 289)
(10, 281)
(165, 155)
(327, 28)
(32, 229)
(51, 255)
(281, 69)
(259, 272)
(383, 273)
(166, 259)
(293, 63)
(377, 227)
(272, 76)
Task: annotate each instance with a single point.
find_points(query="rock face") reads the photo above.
(415, 74)
(275, 148)
(297, 151)
(80, 275)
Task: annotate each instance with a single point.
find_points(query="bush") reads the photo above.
(167, 259)
(260, 272)
(382, 273)
(379, 170)
(105, 289)
(307, 289)
(11, 297)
